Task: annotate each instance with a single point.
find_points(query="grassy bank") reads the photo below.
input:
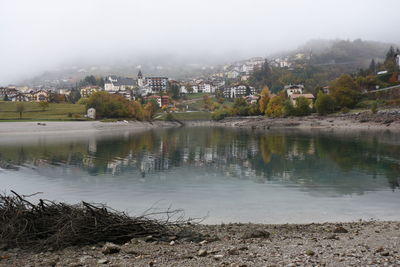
(32, 111)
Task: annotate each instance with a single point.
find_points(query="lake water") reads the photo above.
(227, 175)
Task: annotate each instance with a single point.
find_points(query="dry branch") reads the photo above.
(57, 225)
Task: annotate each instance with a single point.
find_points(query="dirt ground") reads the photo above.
(347, 244)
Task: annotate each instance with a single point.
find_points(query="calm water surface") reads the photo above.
(225, 174)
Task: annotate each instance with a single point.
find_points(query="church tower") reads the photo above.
(140, 79)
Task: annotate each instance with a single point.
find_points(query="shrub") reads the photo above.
(302, 107)
(345, 110)
(254, 109)
(288, 109)
(169, 117)
(324, 104)
(220, 114)
(83, 101)
(345, 91)
(374, 108)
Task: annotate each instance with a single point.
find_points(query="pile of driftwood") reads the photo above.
(48, 224)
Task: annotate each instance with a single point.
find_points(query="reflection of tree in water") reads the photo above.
(304, 159)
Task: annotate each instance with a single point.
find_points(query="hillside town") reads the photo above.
(244, 79)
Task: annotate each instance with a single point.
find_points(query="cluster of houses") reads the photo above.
(128, 87)
(18, 95)
(155, 87)
(240, 70)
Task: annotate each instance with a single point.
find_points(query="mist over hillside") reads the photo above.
(349, 55)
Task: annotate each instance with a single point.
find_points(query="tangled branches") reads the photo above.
(57, 225)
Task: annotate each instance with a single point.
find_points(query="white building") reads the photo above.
(206, 88)
(183, 90)
(155, 84)
(233, 74)
(113, 83)
(294, 89)
(238, 91)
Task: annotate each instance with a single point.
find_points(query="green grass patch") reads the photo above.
(196, 95)
(32, 111)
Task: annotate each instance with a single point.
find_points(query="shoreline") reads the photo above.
(364, 243)
(77, 127)
(382, 121)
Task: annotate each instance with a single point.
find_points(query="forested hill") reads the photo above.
(357, 53)
(318, 62)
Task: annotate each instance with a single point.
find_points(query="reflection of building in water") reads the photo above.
(88, 162)
(299, 150)
(92, 148)
(146, 164)
(209, 154)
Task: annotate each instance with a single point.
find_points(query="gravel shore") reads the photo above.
(348, 244)
(383, 120)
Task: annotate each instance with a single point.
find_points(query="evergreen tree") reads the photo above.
(372, 67)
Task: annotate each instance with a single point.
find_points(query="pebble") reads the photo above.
(110, 248)
(340, 230)
(102, 261)
(310, 252)
(202, 253)
(218, 256)
(203, 242)
(255, 233)
(233, 251)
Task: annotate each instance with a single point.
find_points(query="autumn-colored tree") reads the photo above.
(393, 78)
(207, 102)
(276, 106)
(109, 105)
(265, 96)
(150, 110)
(57, 98)
(137, 110)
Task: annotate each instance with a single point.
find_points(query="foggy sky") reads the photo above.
(42, 34)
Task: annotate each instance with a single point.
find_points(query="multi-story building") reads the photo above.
(6, 91)
(157, 84)
(87, 91)
(153, 85)
(238, 91)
